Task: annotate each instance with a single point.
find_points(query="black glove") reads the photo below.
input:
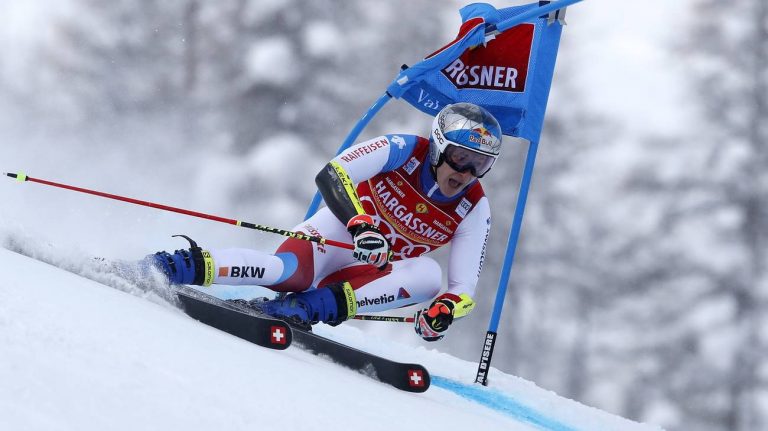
(431, 323)
(370, 244)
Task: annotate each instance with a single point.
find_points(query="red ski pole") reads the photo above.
(296, 235)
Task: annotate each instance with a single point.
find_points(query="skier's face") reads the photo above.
(450, 181)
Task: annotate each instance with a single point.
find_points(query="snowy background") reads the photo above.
(640, 285)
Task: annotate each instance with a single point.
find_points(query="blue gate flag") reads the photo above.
(502, 59)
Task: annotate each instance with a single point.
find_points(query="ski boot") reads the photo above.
(332, 304)
(193, 266)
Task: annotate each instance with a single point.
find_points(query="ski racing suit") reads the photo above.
(395, 185)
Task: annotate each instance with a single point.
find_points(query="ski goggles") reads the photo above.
(462, 159)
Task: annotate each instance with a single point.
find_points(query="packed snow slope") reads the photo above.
(76, 354)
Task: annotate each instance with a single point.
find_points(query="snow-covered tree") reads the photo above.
(702, 352)
(235, 76)
(728, 51)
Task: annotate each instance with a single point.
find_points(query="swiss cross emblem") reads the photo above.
(278, 335)
(416, 378)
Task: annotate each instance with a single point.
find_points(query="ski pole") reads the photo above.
(396, 319)
(291, 234)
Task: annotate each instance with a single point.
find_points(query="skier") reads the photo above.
(395, 198)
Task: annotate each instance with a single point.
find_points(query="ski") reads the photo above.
(403, 376)
(242, 322)
(247, 323)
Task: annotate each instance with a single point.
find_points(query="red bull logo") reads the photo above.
(483, 132)
(481, 135)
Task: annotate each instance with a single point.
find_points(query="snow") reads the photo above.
(78, 354)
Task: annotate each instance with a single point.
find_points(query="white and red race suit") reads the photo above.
(396, 185)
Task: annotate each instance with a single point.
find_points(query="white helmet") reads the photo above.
(465, 136)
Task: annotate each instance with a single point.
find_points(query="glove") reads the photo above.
(370, 245)
(431, 323)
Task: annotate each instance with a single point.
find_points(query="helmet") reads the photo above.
(467, 137)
